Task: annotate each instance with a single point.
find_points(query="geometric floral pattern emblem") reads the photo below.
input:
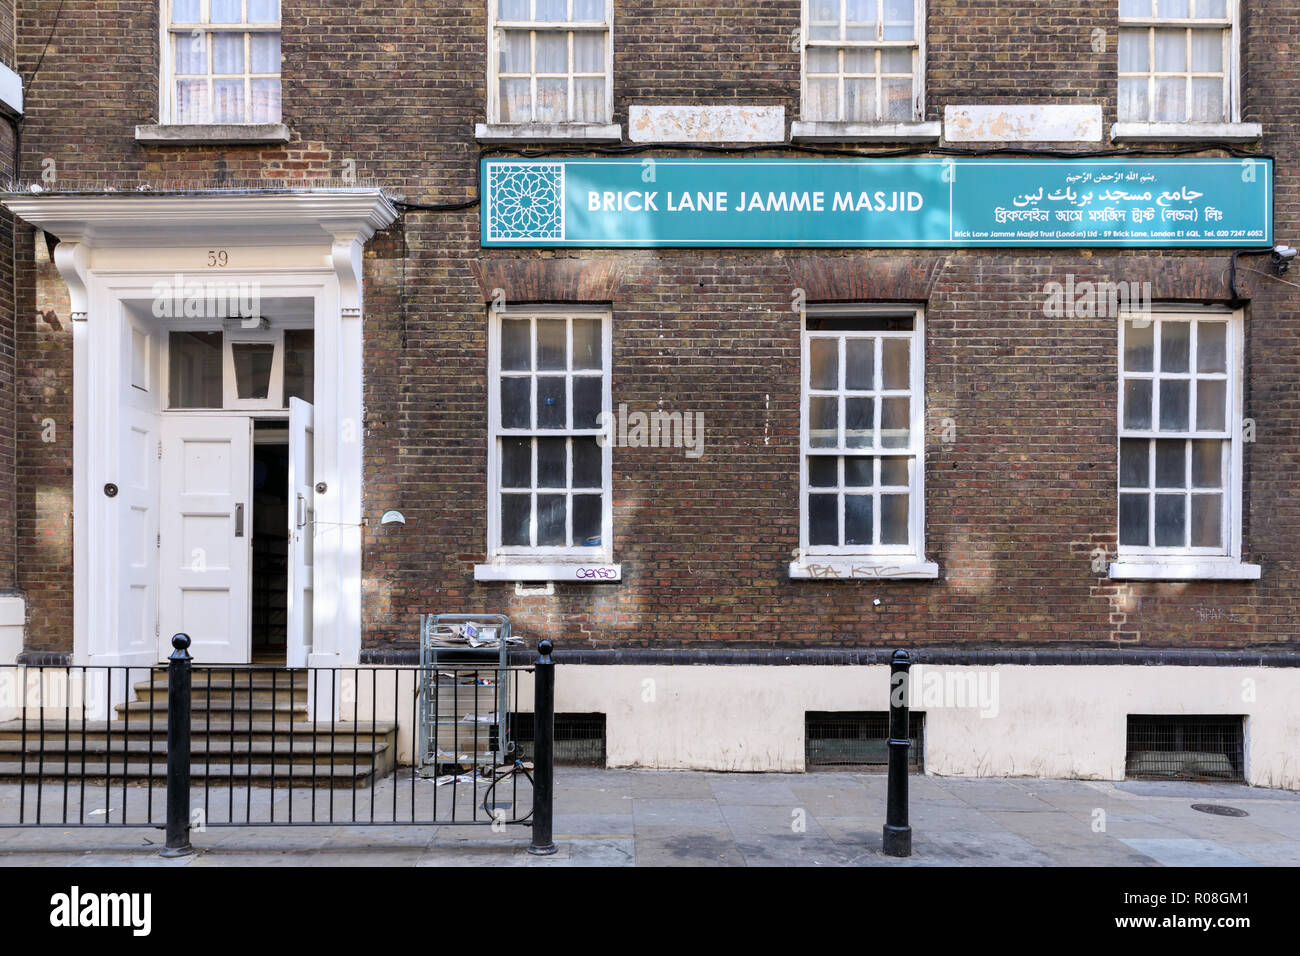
(526, 201)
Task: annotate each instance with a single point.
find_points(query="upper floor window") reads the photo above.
(221, 61)
(863, 434)
(863, 60)
(1177, 61)
(551, 61)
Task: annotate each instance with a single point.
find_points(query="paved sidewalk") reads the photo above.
(663, 818)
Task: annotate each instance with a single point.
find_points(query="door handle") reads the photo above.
(301, 518)
(239, 520)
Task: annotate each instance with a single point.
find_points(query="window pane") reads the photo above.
(1139, 346)
(551, 402)
(898, 19)
(1171, 51)
(1134, 520)
(589, 99)
(895, 422)
(1134, 463)
(516, 510)
(266, 101)
(589, 10)
(1171, 463)
(1171, 521)
(194, 369)
(551, 343)
(859, 100)
(185, 11)
(515, 353)
(551, 52)
(191, 101)
(1132, 51)
(1207, 463)
(822, 60)
(586, 401)
(1173, 9)
(1211, 404)
(1212, 9)
(1173, 405)
(1212, 347)
(252, 368)
(859, 472)
(264, 52)
(512, 10)
(859, 422)
(823, 422)
(191, 53)
(586, 463)
(513, 52)
(1207, 51)
(263, 11)
(1207, 100)
(515, 403)
(857, 519)
(824, 359)
(823, 523)
(587, 518)
(896, 96)
(861, 359)
(1137, 403)
(893, 519)
(228, 53)
(589, 53)
(1171, 100)
(551, 9)
(552, 101)
(823, 471)
(552, 455)
(225, 11)
(516, 463)
(550, 521)
(228, 101)
(893, 471)
(515, 103)
(896, 61)
(895, 366)
(299, 365)
(587, 351)
(824, 20)
(1175, 344)
(1207, 521)
(1133, 100)
(1135, 8)
(823, 100)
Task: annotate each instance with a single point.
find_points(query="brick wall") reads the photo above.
(1016, 504)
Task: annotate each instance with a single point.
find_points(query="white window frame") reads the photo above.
(1175, 563)
(1231, 62)
(496, 26)
(273, 404)
(861, 561)
(917, 44)
(167, 107)
(540, 563)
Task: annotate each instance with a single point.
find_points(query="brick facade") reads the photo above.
(1015, 504)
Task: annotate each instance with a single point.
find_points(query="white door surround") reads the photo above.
(117, 249)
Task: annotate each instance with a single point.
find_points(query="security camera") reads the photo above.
(1282, 256)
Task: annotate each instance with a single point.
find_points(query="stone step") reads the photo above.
(340, 774)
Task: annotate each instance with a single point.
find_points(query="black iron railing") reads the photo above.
(188, 747)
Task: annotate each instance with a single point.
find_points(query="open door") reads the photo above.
(206, 522)
(302, 529)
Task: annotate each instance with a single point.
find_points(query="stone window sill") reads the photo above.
(865, 132)
(1183, 132)
(569, 572)
(865, 568)
(214, 134)
(548, 132)
(1191, 569)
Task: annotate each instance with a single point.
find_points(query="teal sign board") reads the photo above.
(953, 202)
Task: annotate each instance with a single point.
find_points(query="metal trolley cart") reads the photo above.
(465, 694)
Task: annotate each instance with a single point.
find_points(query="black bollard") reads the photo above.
(178, 749)
(543, 751)
(898, 833)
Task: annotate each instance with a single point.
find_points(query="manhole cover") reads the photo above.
(1219, 810)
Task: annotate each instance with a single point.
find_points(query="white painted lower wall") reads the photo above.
(13, 616)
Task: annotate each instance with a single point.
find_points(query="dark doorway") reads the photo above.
(270, 591)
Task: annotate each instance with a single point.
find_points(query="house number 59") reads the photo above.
(218, 258)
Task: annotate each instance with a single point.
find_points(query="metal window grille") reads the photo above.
(579, 738)
(856, 740)
(1185, 748)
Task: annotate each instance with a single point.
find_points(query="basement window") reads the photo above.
(857, 740)
(1185, 748)
(579, 738)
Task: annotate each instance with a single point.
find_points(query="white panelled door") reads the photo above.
(207, 522)
(302, 530)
